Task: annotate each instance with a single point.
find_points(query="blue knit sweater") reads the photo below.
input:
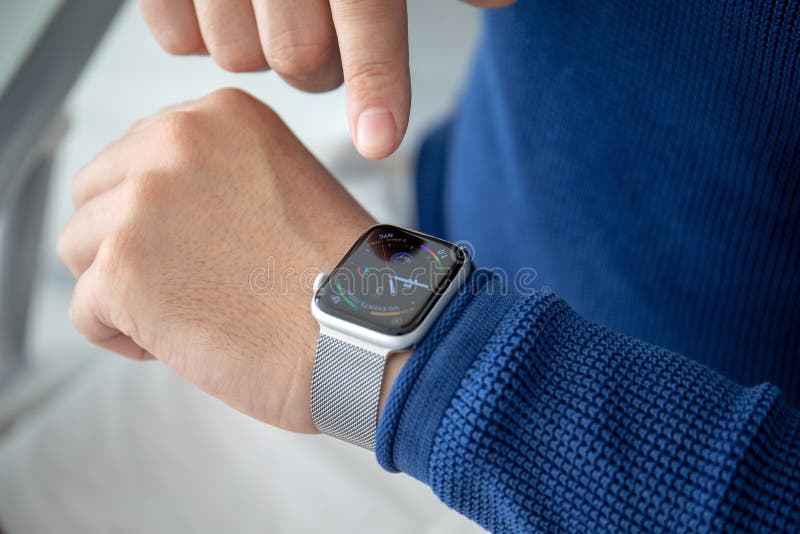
(644, 158)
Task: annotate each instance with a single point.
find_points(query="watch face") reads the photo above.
(390, 279)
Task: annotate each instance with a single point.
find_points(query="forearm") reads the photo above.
(559, 423)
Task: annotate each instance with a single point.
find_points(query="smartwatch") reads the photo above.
(383, 296)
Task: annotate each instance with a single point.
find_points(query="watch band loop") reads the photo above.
(345, 389)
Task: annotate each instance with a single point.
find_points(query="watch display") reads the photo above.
(390, 279)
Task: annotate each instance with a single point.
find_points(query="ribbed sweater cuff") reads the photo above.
(424, 388)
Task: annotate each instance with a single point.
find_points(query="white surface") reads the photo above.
(132, 448)
(127, 447)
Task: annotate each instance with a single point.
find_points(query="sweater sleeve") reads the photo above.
(525, 417)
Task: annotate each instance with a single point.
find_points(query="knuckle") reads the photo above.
(108, 257)
(115, 253)
(295, 59)
(369, 76)
(237, 101)
(138, 124)
(180, 132)
(237, 56)
(147, 188)
(231, 97)
(178, 126)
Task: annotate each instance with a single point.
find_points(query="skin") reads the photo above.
(315, 45)
(172, 221)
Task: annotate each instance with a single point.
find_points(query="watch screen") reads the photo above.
(390, 279)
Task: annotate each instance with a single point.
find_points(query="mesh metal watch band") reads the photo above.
(345, 389)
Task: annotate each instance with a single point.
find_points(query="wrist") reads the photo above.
(296, 329)
(394, 364)
(383, 296)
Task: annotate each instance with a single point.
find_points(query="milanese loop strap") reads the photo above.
(345, 389)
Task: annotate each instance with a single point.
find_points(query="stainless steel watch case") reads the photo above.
(378, 341)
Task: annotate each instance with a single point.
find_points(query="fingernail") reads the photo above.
(375, 130)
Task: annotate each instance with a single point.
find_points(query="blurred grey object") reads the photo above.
(45, 45)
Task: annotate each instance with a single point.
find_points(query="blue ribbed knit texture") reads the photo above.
(644, 158)
(559, 424)
(430, 379)
(396, 403)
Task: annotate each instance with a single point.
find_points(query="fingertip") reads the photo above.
(376, 134)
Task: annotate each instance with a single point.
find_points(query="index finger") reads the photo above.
(373, 44)
(174, 25)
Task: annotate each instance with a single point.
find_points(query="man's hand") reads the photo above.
(312, 44)
(174, 220)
